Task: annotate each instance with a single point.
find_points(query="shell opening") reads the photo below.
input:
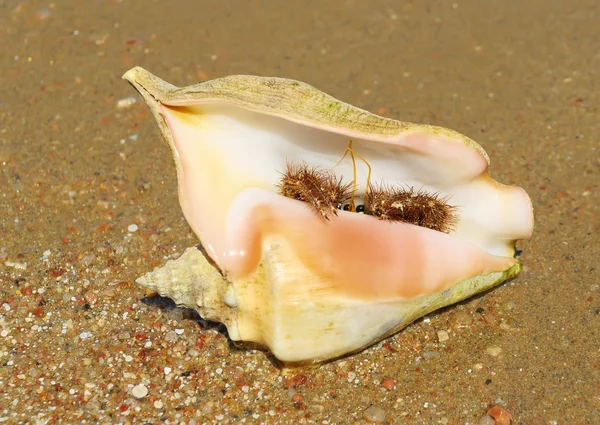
(327, 193)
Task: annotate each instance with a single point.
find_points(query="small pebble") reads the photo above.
(374, 414)
(139, 391)
(91, 298)
(126, 102)
(158, 404)
(442, 336)
(296, 380)
(486, 420)
(132, 228)
(388, 384)
(501, 416)
(171, 336)
(124, 335)
(493, 351)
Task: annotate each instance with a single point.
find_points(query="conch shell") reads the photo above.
(310, 286)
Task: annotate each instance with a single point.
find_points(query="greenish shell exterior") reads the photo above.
(288, 99)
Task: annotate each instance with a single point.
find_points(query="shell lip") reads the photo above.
(278, 102)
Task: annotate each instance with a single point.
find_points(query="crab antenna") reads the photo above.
(352, 152)
(366, 163)
(342, 158)
(349, 149)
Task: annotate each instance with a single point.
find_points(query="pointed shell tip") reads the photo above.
(131, 75)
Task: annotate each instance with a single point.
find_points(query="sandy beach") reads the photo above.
(88, 203)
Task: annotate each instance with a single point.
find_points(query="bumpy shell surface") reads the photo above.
(276, 273)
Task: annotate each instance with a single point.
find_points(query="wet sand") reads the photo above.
(76, 172)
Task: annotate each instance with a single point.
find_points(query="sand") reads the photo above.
(88, 203)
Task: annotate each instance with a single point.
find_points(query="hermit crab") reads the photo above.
(324, 228)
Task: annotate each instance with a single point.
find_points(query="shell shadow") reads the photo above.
(177, 313)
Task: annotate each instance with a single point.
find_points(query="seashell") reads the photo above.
(273, 175)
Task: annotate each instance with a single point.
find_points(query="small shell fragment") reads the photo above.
(501, 416)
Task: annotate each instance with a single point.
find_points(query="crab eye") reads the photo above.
(345, 207)
(360, 208)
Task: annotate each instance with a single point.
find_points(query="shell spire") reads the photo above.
(193, 281)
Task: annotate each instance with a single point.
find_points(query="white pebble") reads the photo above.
(168, 370)
(6, 306)
(139, 391)
(158, 404)
(4, 333)
(443, 336)
(132, 228)
(486, 420)
(126, 102)
(14, 264)
(178, 331)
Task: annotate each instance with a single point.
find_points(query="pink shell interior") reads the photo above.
(230, 202)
